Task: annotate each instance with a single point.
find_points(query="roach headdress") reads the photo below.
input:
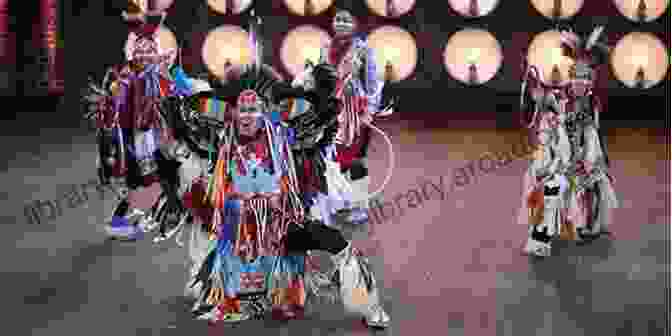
(591, 49)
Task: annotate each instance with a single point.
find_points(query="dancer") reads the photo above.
(259, 194)
(130, 126)
(544, 184)
(568, 192)
(262, 196)
(360, 92)
(592, 194)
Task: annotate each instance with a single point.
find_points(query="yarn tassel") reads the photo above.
(221, 185)
(284, 184)
(209, 190)
(217, 294)
(215, 224)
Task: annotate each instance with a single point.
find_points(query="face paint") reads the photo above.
(344, 23)
(249, 117)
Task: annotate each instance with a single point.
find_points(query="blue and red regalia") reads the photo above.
(359, 91)
(129, 119)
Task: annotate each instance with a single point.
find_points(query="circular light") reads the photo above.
(301, 44)
(473, 56)
(546, 53)
(473, 8)
(395, 52)
(390, 8)
(564, 9)
(160, 5)
(642, 10)
(224, 44)
(640, 54)
(163, 4)
(166, 38)
(220, 6)
(308, 7)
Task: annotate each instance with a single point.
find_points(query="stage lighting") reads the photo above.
(395, 52)
(167, 40)
(229, 6)
(473, 8)
(226, 46)
(141, 6)
(558, 9)
(640, 60)
(302, 44)
(137, 10)
(546, 53)
(308, 7)
(473, 56)
(642, 10)
(390, 8)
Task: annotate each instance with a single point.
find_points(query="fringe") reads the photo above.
(321, 286)
(365, 269)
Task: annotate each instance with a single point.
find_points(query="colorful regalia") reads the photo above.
(246, 270)
(130, 125)
(246, 160)
(360, 94)
(262, 222)
(570, 173)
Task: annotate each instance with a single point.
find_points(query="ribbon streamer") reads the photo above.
(260, 209)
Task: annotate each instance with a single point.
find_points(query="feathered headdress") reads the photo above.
(591, 49)
(237, 79)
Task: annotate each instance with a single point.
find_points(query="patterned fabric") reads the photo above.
(359, 97)
(213, 108)
(349, 119)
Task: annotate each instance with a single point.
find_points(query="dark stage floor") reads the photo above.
(451, 267)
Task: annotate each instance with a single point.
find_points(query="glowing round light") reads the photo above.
(390, 8)
(301, 44)
(473, 8)
(239, 6)
(545, 52)
(166, 38)
(640, 52)
(473, 56)
(567, 8)
(308, 7)
(394, 47)
(226, 43)
(160, 5)
(638, 10)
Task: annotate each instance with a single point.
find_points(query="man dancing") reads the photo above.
(266, 225)
(360, 92)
